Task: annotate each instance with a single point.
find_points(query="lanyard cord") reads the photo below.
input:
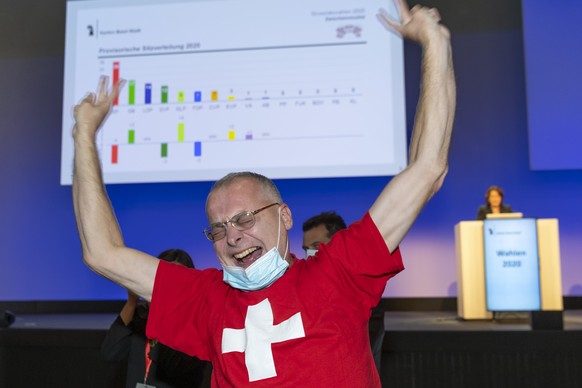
(148, 360)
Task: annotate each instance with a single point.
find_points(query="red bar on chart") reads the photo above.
(114, 153)
(115, 79)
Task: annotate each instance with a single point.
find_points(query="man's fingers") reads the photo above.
(89, 98)
(404, 10)
(387, 21)
(116, 89)
(102, 88)
(435, 14)
(384, 18)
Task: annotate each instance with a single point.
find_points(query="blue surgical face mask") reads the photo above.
(310, 252)
(260, 274)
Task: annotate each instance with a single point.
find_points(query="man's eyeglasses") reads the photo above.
(240, 221)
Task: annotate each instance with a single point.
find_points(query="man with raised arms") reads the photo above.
(267, 318)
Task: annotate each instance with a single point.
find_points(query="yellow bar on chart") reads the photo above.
(180, 132)
(231, 134)
(214, 95)
(180, 96)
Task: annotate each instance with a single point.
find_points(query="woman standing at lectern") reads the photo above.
(493, 203)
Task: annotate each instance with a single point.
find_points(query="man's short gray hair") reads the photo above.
(265, 182)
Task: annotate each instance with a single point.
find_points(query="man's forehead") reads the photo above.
(240, 190)
(240, 195)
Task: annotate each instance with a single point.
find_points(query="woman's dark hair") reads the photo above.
(177, 256)
(489, 190)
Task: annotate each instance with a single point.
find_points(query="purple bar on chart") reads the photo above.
(249, 136)
(148, 93)
(197, 96)
(197, 148)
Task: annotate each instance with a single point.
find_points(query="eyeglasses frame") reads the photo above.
(207, 231)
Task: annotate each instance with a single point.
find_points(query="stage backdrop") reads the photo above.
(38, 240)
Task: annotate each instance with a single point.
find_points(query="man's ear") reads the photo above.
(286, 216)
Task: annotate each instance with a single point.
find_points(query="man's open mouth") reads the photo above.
(248, 256)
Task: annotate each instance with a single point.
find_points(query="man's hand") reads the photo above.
(419, 24)
(132, 297)
(93, 109)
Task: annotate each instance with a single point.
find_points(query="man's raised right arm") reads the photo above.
(102, 243)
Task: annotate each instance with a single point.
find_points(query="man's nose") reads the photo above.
(233, 235)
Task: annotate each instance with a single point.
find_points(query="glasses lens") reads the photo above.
(208, 234)
(243, 221)
(215, 232)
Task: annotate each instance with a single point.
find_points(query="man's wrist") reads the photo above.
(83, 135)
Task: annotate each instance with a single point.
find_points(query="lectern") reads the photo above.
(470, 252)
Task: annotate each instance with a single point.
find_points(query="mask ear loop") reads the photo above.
(279, 235)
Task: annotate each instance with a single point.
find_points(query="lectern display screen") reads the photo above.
(512, 280)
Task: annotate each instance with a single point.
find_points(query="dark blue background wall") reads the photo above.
(39, 248)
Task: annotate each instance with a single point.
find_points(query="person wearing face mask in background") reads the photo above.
(149, 362)
(320, 229)
(493, 203)
(292, 322)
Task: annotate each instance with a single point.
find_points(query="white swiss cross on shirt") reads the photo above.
(256, 337)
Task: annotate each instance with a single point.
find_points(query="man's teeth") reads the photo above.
(244, 253)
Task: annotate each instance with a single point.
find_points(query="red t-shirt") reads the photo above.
(309, 328)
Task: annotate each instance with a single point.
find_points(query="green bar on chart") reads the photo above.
(180, 96)
(164, 94)
(131, 97)
(131, 136)
(164, 150)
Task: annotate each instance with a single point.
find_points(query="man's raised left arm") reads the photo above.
(403, 198)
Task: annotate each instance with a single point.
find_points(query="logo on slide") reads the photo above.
(349, 29)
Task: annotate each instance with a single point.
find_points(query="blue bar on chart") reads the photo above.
(197, 96)
(148, 93)
(197, 148)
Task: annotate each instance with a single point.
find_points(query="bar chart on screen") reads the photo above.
(293, 90)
